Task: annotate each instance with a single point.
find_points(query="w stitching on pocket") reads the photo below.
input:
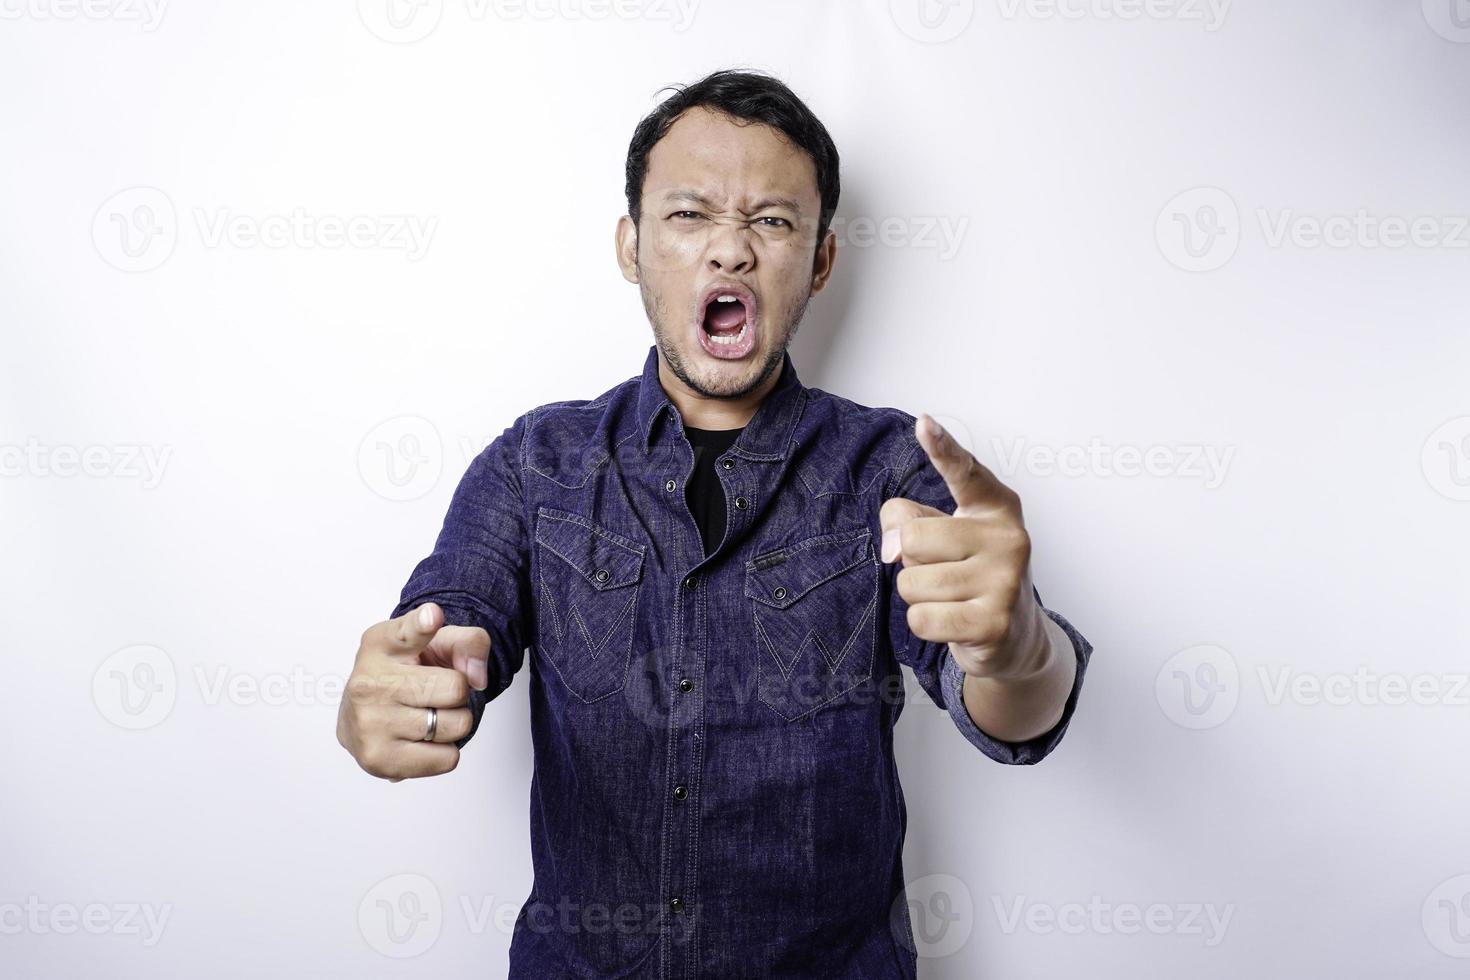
(597, 579)
(790, 611)
(814, 638)
(574, 616)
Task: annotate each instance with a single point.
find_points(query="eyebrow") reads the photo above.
(695, 197)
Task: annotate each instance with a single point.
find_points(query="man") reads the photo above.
(718, 572)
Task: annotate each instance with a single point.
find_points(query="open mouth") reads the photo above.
(726, 322)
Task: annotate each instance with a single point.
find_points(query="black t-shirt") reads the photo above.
(705, 494)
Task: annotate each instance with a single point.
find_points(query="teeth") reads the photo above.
(726, 298)
(730, 340)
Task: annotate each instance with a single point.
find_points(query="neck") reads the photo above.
(704, 412)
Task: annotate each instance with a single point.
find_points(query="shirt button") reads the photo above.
(681, 792)
(741, 503)
(602, 575)
(676, 905)
(780, 592)
(690, 582)
(669, 486)
(728, 463)
(686, 685)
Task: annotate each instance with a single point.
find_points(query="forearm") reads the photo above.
(1026, 704)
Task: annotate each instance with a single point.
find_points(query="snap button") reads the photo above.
(602, 575)
(741, 503)
(676, 905)
(780, 592)
(681, 792)
(689, 582)
(686, 685)
(728, 463)
(669, 486)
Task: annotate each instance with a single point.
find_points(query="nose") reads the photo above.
(729, 249)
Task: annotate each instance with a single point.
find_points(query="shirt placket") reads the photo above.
(687, 677)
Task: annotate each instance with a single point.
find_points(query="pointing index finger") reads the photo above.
(970, 484)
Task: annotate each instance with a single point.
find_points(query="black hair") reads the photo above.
(743, 95)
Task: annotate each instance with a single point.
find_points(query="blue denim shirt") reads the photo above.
(714, 791)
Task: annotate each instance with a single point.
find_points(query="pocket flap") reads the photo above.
(780, 577)
(605, 559)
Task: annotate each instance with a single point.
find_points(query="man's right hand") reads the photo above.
(404, 667)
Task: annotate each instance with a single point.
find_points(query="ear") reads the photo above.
(627, 248)
(826, 259)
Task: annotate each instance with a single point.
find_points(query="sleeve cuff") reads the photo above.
(1033, 750)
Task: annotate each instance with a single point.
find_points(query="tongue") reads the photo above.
(724, 319)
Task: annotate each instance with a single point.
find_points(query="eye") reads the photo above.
(686, 215)
(778, 222)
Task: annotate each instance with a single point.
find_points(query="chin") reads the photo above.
(724, 379)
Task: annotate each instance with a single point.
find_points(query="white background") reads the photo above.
(1086, 311)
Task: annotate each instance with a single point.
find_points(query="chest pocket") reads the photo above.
(814, 605)
(587, 589)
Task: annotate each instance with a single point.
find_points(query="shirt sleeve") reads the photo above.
(938, 674)
(479, 570)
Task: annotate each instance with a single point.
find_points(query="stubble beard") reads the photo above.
(788, 322)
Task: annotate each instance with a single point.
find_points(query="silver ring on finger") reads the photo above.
(432, 725)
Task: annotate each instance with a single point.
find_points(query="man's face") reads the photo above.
(724, 252)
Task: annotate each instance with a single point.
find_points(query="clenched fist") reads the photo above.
(404, 667)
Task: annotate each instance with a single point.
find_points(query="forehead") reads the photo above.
(711, 153)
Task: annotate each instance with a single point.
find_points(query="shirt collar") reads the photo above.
(767, 436)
